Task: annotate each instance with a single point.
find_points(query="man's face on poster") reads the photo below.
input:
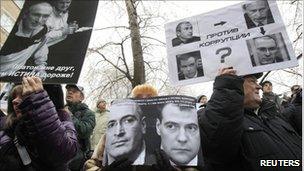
(266, 49)
(37, 15)
(179, 133)
(63, 5)
(188, 67)
(186, 31)
(125, 130)
(257, 11)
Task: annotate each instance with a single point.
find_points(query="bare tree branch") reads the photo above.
(291, 72)
(111, 27)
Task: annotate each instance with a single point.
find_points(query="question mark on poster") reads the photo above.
(228, 49)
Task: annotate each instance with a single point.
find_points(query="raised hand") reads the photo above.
(30, 85)
(227, 71)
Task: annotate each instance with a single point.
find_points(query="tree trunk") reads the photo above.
(138, 62)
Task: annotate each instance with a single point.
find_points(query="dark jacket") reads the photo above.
(234, 138)
(274, 98)
(177, 41)
(293, 113)
(50, 141)
(84, 122)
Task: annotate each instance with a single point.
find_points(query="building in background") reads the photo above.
(10, 10)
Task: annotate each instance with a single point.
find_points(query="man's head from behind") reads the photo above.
(257, 11)
(74, 93)
(179, 131)
(36, 15)
(252, 99)
(266, 87)
(184, 31)
(188, 65)
(125, 130)
(266, 49)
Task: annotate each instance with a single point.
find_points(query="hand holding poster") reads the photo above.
(138, 127)
(46, 41)
(249, 36)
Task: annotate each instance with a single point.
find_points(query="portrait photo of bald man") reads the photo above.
(268, 49)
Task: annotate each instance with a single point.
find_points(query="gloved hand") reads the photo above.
(56, 94)
(162, 162)
(122, 164)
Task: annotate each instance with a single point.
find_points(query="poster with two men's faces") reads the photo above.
(249, 36)
(137, 128)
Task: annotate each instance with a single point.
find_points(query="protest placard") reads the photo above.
(48, 40)
(139, 127)
(249, 36)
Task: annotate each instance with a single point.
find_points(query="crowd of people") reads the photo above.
(237, 128)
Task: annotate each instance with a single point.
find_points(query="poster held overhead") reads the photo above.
(236, 36)
(137, 127)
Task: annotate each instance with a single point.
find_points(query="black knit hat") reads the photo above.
(256, 75)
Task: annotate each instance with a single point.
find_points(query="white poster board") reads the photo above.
(198, 46)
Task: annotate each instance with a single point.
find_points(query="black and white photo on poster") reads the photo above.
(267, 49)
(49, 40)
(224, 36)
(184, 34)
(189, 65)
(137, 127)
(257, 13)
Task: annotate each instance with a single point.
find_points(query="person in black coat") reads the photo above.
(240, 132)
(293, 110)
